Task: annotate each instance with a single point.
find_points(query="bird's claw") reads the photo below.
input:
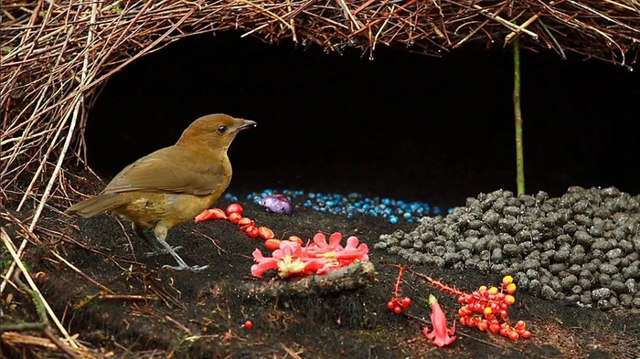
(186, 268)
(161, 251)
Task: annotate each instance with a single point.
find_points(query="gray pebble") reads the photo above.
(380, 245)
(570, 281)
(632, 287)
(556, 268)
(625, 300)
(600, 293)
(617, 286)
(604, 304)
(603, 278)
(511, 249)
(585, 298)
(607, 268)
(548, 292)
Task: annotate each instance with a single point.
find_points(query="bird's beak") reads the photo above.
(248, 124)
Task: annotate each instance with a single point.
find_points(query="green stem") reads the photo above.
(518, 116)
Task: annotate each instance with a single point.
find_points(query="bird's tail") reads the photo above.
(91, 207)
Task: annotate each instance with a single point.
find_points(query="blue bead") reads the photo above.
(338, 210)
(350, 215)
(393, 220)
(330, 203)
(406, 215)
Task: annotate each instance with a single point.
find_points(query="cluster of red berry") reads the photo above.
(233, 214)
(485, 307)
(396, 304)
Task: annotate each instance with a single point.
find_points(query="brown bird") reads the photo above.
(171, 186)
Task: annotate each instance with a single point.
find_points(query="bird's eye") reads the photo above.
(222, 129)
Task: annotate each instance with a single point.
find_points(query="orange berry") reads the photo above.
(488, 311)
(507, 280)
(295, 239)
(511, 288)
(493, 290)
(509, 299)
(244, 221)
(272, 244)
(235, 218)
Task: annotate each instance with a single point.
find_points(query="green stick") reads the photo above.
(518, 115)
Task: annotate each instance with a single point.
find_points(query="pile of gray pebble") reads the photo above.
(583, 246)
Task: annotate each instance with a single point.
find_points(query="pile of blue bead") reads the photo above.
(353, 204)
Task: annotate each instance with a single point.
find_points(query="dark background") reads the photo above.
(404, 126)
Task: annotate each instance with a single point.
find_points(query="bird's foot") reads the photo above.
(186, 268)
(161, 251)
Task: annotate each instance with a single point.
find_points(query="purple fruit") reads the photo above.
(277, 203)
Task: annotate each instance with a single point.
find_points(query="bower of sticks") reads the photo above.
(75, 288)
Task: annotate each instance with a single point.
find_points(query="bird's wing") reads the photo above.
(173, 170)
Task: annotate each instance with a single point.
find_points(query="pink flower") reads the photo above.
(440, 335)
(263, 263)
(353, 251)
(320, 245)
(319, 257)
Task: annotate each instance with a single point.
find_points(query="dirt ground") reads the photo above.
(202, 315)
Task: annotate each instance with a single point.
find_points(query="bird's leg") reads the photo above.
(161, 233)
(157, 248)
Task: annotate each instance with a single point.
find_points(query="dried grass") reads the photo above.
(56, 54)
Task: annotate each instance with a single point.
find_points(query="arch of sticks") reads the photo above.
(56, 54)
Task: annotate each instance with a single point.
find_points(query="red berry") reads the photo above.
(483, 325)
(525, 334)
(520, 324)
(513, 335)
(235, 218)
(214, 213)
(234, 208)
(391, 305)
(252, 232)
(265, 233)
(397, 310)
(494, 328)
(461, 299)
(464, 320)
(248, 324)
(405, 302)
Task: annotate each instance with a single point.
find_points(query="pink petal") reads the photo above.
(258, 269)
(334, 240)
(320, 240)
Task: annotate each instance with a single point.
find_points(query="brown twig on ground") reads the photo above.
(350, 277)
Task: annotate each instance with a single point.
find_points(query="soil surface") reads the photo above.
(124, 304)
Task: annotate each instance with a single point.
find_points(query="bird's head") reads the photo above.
(215, 131)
